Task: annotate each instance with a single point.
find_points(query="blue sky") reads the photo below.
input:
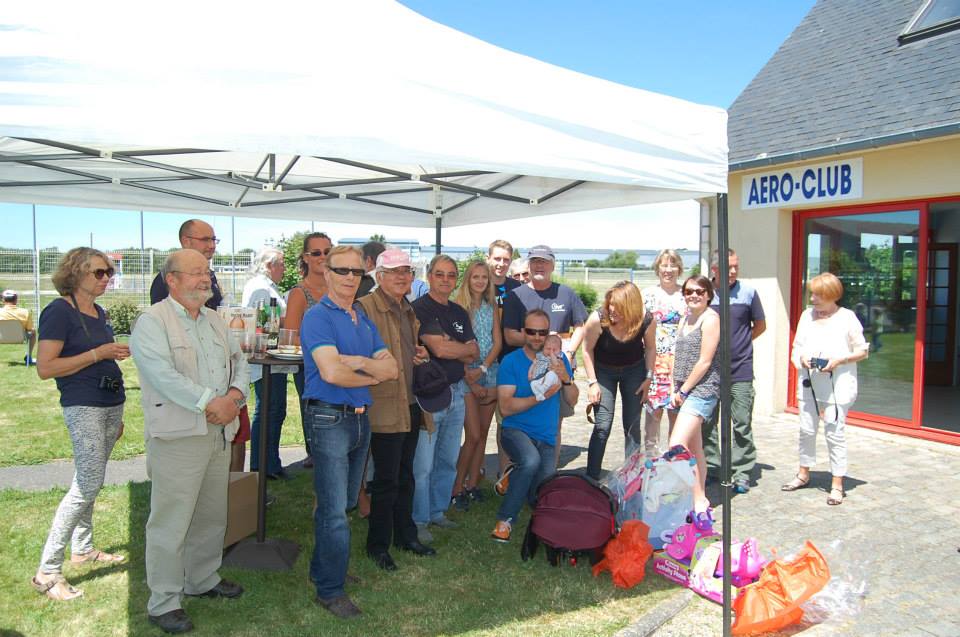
(701, 51)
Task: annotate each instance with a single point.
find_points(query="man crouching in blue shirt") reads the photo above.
(344, 355)
(529, 431)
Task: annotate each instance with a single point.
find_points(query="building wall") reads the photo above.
(762, 239)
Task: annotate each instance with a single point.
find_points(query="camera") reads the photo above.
(819, 363)
(110, 384)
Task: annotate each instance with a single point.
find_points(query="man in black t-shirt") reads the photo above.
(197, 235)
(446, 332)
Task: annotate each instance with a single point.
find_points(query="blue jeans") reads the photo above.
(435, 463)
(535, 460)
(629, 380)
(298, 381)
(277, 413)
(340, 443)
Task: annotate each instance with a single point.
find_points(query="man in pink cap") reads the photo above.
(395, 416)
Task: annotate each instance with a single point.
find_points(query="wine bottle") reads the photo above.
(273, 328)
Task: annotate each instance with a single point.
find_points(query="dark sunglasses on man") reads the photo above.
(346, 271)
(533, 332)
(319, 253)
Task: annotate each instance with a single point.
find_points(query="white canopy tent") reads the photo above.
(360, 111)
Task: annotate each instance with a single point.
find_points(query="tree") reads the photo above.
(476, 255)
(378, 237)
(291, 259)
(618, 259)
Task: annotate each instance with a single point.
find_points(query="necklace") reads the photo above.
(821, 314)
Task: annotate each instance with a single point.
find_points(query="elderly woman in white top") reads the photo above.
(828, 344)
(267, 269)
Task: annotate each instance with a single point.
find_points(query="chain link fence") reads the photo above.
(29, 273)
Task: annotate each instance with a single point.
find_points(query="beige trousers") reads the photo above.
(188, 516)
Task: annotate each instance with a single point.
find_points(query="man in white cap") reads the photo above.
(10, 311)
(561, 304)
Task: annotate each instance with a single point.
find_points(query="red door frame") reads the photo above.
(912, 427)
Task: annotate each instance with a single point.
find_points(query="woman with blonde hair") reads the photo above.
(476, 296)
(665, 302)
(77, 349)
(828, 344)
(620, 349)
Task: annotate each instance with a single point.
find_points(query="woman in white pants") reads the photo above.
(828, 344)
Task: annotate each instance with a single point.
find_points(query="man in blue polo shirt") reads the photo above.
(343, 356)
(529, 433)
(746, 323)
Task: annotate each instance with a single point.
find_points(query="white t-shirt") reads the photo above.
(839, 336)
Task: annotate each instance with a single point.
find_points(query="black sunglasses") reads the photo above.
(533, 332)
(101, 272)
(697, 291)
(346, 271)
(320, 253)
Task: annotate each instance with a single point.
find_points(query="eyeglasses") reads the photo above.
(399, 271)
(319, 253)
(206, 273)
(346, 271)
(694, 292)
(212, 240)
(99, 273)
(532, 332)
(445, 275)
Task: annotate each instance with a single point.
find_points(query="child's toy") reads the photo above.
(667, 493)
(686, 536)
(745, 563)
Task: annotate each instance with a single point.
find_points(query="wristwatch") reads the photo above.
(483, 368)
(566, 383)
(591, 381)
(240, 402)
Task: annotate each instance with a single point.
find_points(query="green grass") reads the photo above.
(31, 423)
(473, 587)
(893, 361)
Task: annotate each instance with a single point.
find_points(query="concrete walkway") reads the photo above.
(892, 546)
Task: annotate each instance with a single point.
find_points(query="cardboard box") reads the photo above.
(241, 507)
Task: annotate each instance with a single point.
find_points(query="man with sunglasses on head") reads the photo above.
(344, 355)
(529, 424)
(198, 235)
(446, 331)
(747, 322)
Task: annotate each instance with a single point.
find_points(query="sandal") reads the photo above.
(97, 556)
(834, 501)
(796, 483)
(57, 589)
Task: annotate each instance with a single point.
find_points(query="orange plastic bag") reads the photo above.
(626, 555)
(773, 601)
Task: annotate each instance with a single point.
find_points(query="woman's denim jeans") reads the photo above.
(278, 413)
(339, 441)
(628, 379)
(535, 460)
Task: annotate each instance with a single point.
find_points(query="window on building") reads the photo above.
(934, 18)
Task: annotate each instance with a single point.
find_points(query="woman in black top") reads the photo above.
(78, 350)
(620, 348)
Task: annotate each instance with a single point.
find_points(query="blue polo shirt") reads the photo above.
(745, 310)
(540, 421)
(326, 324)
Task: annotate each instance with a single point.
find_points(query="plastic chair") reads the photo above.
(12, 332)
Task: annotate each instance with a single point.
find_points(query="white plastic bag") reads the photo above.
(667, 497)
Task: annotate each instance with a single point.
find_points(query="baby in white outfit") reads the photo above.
(541, 377)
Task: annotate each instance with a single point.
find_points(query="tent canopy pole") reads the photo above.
(723, 268)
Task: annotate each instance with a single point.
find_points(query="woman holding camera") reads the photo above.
(828, 344)
(76, 348)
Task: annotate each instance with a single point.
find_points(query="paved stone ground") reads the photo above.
(895, 538)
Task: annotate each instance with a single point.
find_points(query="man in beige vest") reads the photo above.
(194, 380)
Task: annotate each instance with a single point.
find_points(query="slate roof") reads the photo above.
(842, 77)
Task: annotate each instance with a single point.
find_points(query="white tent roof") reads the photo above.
(360, 111)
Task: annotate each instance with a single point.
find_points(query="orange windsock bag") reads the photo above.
(626, 555)
(773, 601)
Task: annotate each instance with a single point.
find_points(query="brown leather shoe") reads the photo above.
(173, 622)
(341, 607)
